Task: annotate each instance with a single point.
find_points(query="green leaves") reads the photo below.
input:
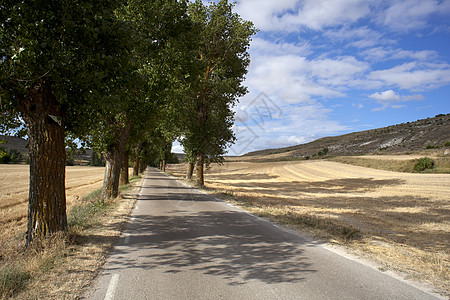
(221, 42)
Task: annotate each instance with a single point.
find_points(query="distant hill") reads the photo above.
(402, 138)
(14, 142)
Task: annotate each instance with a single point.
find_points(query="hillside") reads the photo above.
(14, 142)
(408, 137)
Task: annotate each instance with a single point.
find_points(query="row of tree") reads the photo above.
(122, 77)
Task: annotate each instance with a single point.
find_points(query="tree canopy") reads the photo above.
(125, 77)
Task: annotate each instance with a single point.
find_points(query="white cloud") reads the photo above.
(177, 148)
(392, 99)
(414, 76)
(291, 15)
(380, 53)
(412, 14)
(291, 77)
(261, 46)
(296, 125)
(317, 14)
(265, 13)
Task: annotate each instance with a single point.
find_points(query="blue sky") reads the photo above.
(329, 67)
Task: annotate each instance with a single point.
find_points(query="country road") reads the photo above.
(183, 244)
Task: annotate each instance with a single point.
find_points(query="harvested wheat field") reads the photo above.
(14, 194)
(400, 219)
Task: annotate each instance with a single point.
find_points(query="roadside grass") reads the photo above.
(62, 265)
(442, 164)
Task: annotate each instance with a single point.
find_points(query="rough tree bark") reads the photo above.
(136, 161)
(114, 159)
(124, 178)
(142, 167)
(200, 169)
(45, 127)
(190, 170)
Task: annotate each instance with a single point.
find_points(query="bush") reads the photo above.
(424, 163)
(323, 152)
(10, 156)
(447, 144)
(432, 147)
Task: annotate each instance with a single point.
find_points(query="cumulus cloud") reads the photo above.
(311, 52)
(295, 125)
(414, 76)
(392, 99)
(292, 15)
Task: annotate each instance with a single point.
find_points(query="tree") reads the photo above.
(55, 59)
(222, 59)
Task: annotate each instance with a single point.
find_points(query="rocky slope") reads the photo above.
(408, 137)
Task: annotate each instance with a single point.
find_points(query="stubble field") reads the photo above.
(14, 180)
(402, 220)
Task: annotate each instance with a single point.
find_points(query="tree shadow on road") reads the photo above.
(228, 244)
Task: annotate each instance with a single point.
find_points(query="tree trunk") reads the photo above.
(136, 162)
(124, 179)
(200, 170)
(114, 159)
(164, 165)
(45, 128)
(190, 170)
(142, 167)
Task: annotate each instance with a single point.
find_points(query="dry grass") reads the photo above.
(63, 265)
(394, 163)
(400, 219)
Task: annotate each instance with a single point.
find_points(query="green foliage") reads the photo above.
(96, 160)
(12, 279)
(73, 48)
(173, 159)
(82, 215)
(10, 156)
(423, 164)
(432, 147)
(218, 64)
(323, 152)
(447, 144)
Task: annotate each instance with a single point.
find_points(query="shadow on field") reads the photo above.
(342, 201)
(346, 185)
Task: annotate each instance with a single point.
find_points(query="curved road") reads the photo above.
(183, 244)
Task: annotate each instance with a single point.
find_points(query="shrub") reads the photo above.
(432, 147)
(323, 152)
(10, 156)
(447, 144)
(424, 163)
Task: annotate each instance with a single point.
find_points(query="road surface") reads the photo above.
(183, 244)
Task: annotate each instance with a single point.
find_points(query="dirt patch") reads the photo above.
(400, 219)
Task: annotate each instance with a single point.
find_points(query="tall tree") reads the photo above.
(55, 56)
(221, 57)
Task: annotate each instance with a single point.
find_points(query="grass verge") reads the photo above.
(63, 265)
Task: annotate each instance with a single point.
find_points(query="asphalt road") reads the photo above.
(183, 244)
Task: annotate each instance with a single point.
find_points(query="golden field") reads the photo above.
(62, 266)
(14, 180)
(402, 220)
